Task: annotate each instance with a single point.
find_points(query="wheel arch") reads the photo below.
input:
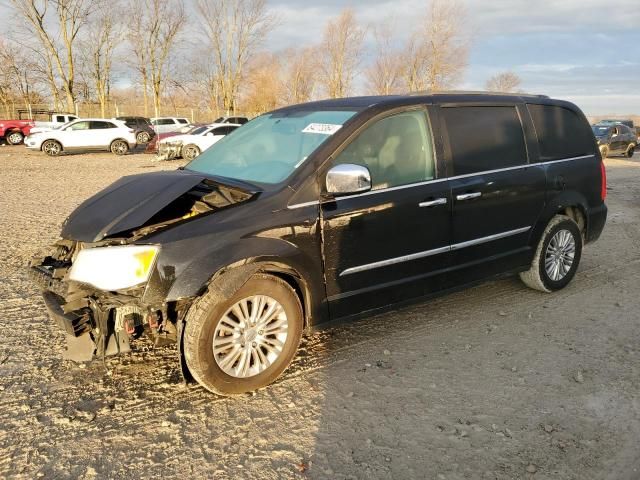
(569, 203)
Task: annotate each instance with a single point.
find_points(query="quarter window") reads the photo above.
(397, 150)
(484, 138)
(561, 132)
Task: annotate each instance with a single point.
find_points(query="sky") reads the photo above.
(585, 51)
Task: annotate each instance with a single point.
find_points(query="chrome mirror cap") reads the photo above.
(347, 179)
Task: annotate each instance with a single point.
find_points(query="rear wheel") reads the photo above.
(15, 138)
(557, 256)
(119, 147)
(189, 152)
(245, 342)
(630, 151)
(52, 148)
(143, 137)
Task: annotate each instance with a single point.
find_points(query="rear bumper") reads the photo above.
(595, 223)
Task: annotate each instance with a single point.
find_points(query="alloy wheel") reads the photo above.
(250, 336)
(15, 138)
(559, 255)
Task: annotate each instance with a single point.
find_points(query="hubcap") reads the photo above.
(250, 336)
(559, 255)
(15, 138)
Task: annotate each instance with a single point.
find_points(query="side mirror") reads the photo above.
(348, 178)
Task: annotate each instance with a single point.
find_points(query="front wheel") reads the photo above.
(245, 342)
(557, 256)
(189, 152)
(119, 147)
(15, 138)
(52, 148)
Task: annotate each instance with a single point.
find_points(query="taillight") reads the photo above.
(603, 179)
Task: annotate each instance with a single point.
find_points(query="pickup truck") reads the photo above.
(14, 131)
(55, 120)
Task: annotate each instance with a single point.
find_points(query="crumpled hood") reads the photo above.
(126, 204)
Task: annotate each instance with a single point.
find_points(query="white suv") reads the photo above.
(168, 124)
(84, 134)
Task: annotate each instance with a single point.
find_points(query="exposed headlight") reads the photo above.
(114, 268)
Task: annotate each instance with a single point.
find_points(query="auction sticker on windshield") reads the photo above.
(324, 128)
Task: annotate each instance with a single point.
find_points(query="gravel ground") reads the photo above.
(496, 382)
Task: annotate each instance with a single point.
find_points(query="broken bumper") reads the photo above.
(169, 150)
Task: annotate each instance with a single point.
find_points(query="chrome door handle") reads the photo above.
(468, 196)
(433, 203)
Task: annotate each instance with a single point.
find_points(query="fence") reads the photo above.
(196, 114)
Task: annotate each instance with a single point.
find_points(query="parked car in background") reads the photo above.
(319, 212)
(14, 131)
(168, 124)
(152, 146)
(190, 145)
(85, 135)
(142, 127)
(615, 139)
(628, 123)
(637, 129)
(239, 120)
(47, 120)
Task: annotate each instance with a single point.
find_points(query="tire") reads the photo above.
(143, 137)
(209, 321)
(538, 276)
(15, 138)
(630, 151)
(119, 147)
(52, 148)
(604, 152)
(190, 151)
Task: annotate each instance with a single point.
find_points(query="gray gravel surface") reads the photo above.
(495, 382)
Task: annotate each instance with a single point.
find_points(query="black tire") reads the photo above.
(143, 137)
(52, 148)
(190, 151)
(604, 152)
(630, 151)
(15, 138)
(207, 313)
(119, 147)
(537, 277)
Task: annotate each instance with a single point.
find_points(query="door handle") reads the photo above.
(433, 203)
(468, 196)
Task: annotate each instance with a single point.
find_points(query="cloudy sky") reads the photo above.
(587, 51)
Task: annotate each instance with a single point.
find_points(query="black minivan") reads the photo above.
(323, 211)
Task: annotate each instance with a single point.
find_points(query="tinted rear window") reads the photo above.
(561, 132)
(484, 138)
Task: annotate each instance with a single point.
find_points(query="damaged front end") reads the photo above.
(96, 280)
(168, 150)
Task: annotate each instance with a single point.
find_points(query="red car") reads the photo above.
(152, 146)
(14, 131)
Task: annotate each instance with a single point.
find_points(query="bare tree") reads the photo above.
(298, 79)
(507, 82)
(16, 79)
(153, 32)
(342, 49)
(263, 89)
(234, 30)
(436, 55)
(100, 43)
(57, 33)
(384, 75)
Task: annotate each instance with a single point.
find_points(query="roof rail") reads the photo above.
(474, 92)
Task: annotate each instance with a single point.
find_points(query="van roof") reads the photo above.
(390, 101)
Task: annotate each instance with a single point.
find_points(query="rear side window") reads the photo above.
(60, 119)
(561, 132)
(101, 125)
(164, 121)
(484, 138)
(183, 120)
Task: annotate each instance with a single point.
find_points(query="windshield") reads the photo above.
(269, 148)
(600, 130)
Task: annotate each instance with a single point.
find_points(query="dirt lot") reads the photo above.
(496, 382)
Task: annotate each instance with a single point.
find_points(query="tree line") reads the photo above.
(213, 54)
